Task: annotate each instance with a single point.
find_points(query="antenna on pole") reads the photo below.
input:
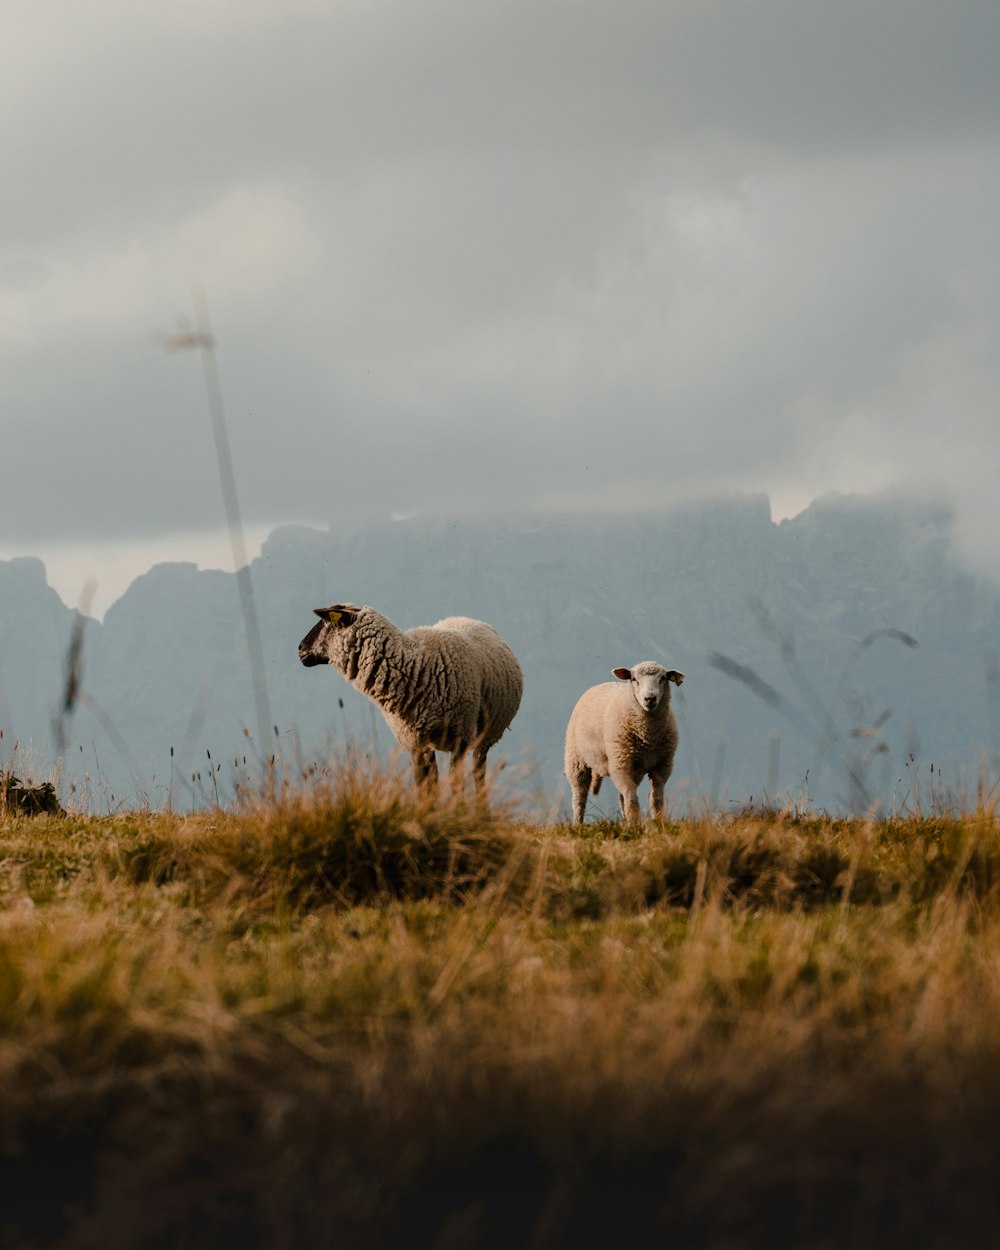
(203, 340)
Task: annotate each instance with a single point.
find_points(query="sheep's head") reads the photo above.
(650, 683)
(332, 640)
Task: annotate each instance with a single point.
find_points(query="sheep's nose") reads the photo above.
(650, 701)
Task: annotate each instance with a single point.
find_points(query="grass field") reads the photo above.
(343, 1017)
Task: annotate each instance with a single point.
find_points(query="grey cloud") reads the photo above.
(486, 255)
(821, 77)
(146, 120)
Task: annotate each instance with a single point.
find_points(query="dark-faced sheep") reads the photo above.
(454, 686)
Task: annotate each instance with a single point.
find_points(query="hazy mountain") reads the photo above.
(814, 618)
(35, 629)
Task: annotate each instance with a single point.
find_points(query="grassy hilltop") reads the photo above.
(343, 1017)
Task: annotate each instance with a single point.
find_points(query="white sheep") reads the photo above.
(625, 733)
(454, 686)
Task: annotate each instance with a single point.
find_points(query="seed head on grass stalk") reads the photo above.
(814, 721)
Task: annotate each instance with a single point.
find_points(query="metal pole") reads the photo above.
(256, 652)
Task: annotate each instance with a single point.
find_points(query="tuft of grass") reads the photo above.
(775, 861)
(20, 798)
(349, 839)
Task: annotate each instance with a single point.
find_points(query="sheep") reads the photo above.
(625, 733)
(453, 687)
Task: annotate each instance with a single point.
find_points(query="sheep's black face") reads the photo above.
(309, 653)
(328, 642)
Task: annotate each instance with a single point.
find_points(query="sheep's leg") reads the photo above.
(425, 769)
(456, 773)
(656, 785)
(630, 807)
(580, 783)
(628, 800)
(479, 771)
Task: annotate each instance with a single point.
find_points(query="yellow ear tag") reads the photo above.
(334, 617)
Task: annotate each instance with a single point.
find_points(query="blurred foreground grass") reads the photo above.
(351, 1018)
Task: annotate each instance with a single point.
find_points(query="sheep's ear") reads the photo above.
(623, 674)
(337, 615)
(676, 677)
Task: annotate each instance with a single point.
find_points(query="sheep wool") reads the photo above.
(453, 687)
(624, 730)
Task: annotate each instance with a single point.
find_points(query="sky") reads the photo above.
(490, 254)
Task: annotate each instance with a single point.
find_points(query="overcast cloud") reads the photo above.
(495, 254)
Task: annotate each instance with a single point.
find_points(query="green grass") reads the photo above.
(350, 1017)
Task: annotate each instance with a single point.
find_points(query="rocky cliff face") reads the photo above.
(796, 640)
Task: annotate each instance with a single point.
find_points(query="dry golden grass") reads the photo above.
(348, 1017)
